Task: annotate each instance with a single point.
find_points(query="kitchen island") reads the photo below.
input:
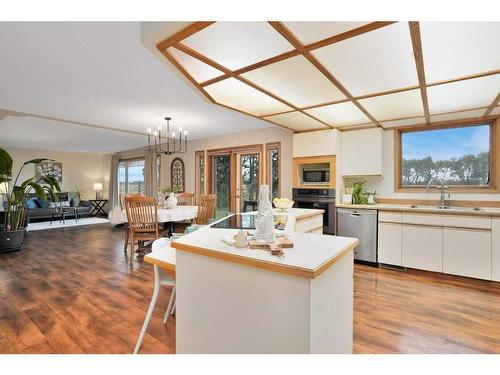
(232, 300)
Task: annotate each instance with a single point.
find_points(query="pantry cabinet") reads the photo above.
(467, 252)
(422, 247)
(362, 152)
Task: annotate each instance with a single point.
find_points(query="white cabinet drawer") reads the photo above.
(389, 243)
(422, 248)
(459, 221)
(390, 216)
(467, 253)
(317, 222)
(303, 225)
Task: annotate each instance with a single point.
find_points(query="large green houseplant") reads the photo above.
(14, 219)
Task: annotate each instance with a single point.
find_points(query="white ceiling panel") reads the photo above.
(458, 115)
(296, 80)
(393, 106)
(238, 44)
(296, 121)
(468, 94)
(405, 122)
(342, 114)
(376, 61)
(309, 32)
(456, 49)
(199, 70)
(236, 94)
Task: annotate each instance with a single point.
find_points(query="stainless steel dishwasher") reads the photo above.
(361, 224)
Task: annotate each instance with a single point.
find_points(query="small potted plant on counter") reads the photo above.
(14, 218)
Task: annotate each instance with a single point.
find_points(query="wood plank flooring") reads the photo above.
(72, 291)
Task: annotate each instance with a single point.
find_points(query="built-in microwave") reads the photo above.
(315, 176)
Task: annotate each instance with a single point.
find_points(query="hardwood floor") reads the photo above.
(72, 291)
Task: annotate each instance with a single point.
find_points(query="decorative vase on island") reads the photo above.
(171, 200)
(264, 222)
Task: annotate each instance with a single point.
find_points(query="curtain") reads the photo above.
(151, 174)
(113, 181)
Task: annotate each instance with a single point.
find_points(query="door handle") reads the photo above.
(354, 214)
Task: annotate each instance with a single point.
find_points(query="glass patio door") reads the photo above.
(221, 183)
(247, 181)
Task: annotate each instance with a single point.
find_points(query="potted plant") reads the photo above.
(14, 221)
(359, 195)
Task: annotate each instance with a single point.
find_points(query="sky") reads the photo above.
(446, 143)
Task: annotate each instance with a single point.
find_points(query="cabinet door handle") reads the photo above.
(354, 214)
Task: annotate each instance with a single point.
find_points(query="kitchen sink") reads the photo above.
(455, 208)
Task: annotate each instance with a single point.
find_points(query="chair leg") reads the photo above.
(125, 245)
(171, 302)
(132, 247)
(150, 310)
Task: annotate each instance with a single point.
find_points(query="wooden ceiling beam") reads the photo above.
(419, 63)
(348, 34)
(183, 34)
(292, 39)
(495, 102)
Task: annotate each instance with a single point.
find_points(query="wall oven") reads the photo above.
(321, 199)
(315, 176)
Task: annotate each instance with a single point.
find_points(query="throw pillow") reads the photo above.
(41, 203)
(31, 203)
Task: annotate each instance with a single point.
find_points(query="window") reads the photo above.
(460, 156)
(131, 176)
(273, 169)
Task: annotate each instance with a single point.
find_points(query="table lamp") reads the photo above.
(98, 189)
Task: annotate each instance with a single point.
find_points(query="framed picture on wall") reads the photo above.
(49, 168)
(177, 175)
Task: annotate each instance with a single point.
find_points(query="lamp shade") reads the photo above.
(97, 186)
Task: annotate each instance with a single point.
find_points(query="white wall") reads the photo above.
(385, 185)
(261, 136)
(80, 170)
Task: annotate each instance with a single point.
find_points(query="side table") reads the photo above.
(98, 207)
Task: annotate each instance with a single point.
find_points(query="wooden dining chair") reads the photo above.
(122, 206)
(185, 199)
(206, 208)
(142, 217)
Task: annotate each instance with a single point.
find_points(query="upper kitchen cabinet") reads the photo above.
(317, 143)
(362, 152)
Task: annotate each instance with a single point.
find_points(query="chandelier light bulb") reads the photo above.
(185, 132)
(155, 133)
(173, 134)
(149, 130)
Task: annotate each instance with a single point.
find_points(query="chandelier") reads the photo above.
(169, 144)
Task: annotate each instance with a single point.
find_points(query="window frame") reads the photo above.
(273, 146)
(126, 162)
(494, 173)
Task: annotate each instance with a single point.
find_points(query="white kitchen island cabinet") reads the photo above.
(232, 300)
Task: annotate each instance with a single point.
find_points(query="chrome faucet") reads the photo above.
(442, 203)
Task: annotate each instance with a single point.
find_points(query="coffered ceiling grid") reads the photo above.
(273, 72)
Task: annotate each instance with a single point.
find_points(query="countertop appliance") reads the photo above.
(322, 199)
(361, 224)
(315, 176)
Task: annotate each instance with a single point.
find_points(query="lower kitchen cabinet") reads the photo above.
(467, 252)
(422, 247)
(495, 251)
(389, 243)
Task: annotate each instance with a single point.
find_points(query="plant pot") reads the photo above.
(11, 241)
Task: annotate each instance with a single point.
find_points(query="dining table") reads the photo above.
(168, 215)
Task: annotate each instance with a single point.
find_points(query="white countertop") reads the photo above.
(311, 255)
(483, 211)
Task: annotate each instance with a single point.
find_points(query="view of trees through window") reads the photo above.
(274, 172)
(458, 156)
(222, 181)
(249, 179)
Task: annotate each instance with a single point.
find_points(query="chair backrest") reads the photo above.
(185, 199)
(206, 208)
(142, 213)
(123, 196)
